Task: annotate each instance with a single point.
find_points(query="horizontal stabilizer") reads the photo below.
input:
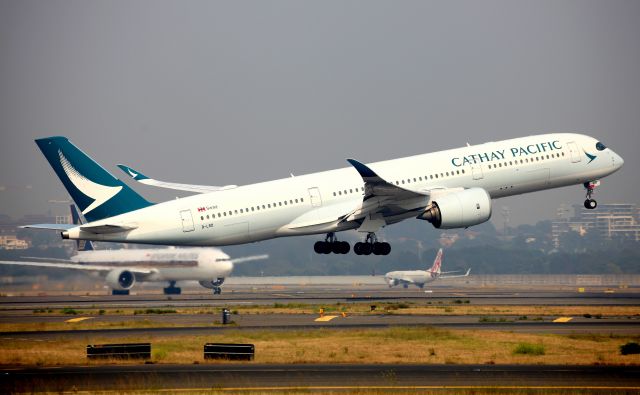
(141, 178)
(49, 226)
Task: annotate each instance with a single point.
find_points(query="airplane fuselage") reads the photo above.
(311, 204)
(172, 264)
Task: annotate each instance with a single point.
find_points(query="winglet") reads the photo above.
(364, 170)
(136, 175)
(467, 273)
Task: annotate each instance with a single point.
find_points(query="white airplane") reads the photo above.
(123, 268)
(420, 277)
(449, 189)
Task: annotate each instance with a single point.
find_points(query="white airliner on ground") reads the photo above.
(450, 189)
(420, 277)
(123, 268)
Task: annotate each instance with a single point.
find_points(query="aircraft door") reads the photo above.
(476, 171)
(187, 221)
(314, 195)
(573, 150)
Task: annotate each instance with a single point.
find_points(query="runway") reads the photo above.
(24, 309)
(321, 377)
(208, 325)
(328, 296)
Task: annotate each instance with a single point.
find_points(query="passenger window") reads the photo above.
(252, 208)
(207, 217)
(462, 171)
(202, 218)
(241, 211)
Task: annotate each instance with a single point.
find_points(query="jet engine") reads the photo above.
(459, 209)
(213, 283)
(120, 279)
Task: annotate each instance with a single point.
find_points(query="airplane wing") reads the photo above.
(141, 178)
(461, 275)
(77, 266)
(382, 199)
(249, 258)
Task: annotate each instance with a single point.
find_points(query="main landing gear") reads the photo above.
(331, 244)
(371, 245)
(172, 289)
(590, 203)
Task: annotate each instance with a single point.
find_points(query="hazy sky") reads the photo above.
(244, 91)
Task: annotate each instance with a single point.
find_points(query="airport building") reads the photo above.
(609, 221)
(11, 242)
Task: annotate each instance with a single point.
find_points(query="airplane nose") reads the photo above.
(617, 161)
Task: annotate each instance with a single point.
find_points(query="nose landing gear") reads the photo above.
(331, 244)
(371, 245)
(590, 186)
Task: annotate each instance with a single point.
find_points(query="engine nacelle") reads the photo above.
(213, 283)
(459, 209)
(120, 280)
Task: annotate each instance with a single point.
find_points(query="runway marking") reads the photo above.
(78, 319)
(563, 319)
(283, 295)
(325, 318)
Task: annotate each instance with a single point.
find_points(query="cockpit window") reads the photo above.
(600, 146)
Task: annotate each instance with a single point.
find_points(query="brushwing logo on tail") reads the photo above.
(134, 175)
(99, 193)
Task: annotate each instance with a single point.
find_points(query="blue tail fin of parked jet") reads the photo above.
(95, 191)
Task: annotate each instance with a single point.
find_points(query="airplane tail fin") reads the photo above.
(76, 219)
(437, 263)
(96, 192)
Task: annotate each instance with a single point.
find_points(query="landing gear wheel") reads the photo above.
(590, 186)
(172, 291)
(381, 248)
(217, 290)
(331, 244)
(357, 248)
